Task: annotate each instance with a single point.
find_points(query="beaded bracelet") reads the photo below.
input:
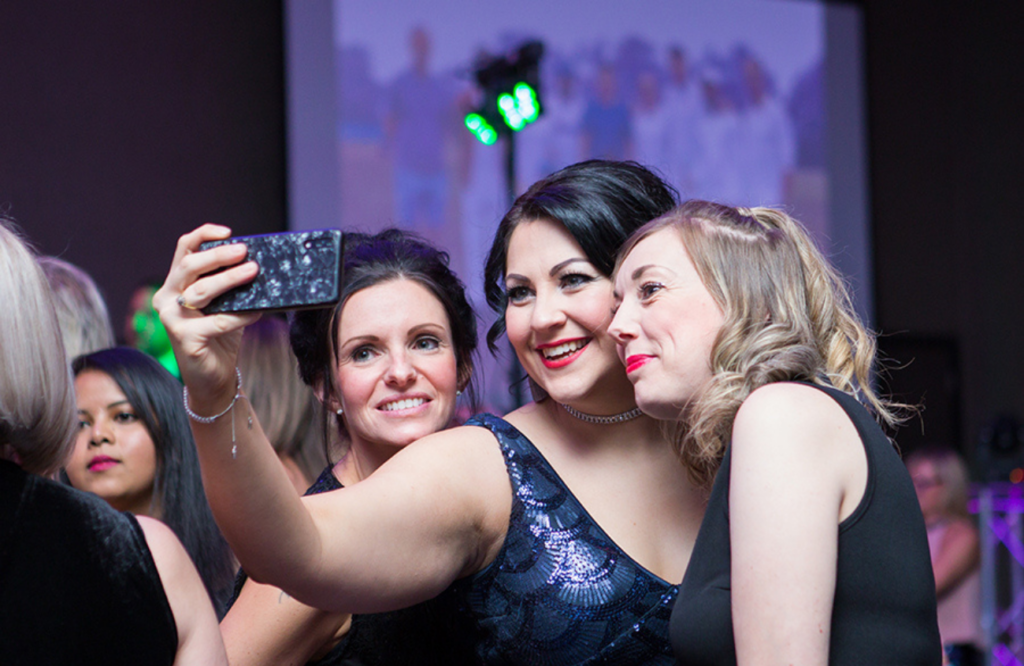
(210, 419)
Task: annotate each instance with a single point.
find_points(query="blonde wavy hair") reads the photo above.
(788, 317)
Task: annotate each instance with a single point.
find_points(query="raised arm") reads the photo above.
(798, 468)
(435, 511)
(199, 641)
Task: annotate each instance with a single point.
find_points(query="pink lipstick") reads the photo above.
(101, 463)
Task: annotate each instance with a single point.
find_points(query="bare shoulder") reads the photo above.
(455, 453)
(168, 553)
(465, 471)
(199, 639)
(788, 433)
(801, 414)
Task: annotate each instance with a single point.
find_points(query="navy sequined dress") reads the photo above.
(560, 591)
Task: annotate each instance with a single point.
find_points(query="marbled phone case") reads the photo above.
(298, 270)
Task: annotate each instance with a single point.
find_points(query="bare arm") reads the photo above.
(199, 640)
(437, 510)
(958, 556)
(797, 465)
(267, 627)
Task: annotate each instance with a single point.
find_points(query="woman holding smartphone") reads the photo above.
(399, 371)
(557, 527)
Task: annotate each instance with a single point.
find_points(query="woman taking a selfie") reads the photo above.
(735, 330)
(514, 513)
(399, 373)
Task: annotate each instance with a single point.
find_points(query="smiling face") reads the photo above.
(557, 317)
(396, 367)
(665, 325)
(114, 456)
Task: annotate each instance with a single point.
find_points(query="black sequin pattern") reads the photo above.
(560, 591)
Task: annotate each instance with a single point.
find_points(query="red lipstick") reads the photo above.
(566, 359)
(636, 362)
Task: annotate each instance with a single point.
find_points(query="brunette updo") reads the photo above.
(370, 260)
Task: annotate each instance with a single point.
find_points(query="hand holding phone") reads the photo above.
(298, 270)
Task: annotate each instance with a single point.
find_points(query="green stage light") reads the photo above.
(526, 99)
(510, 112)
(481, 129)
(520, 107)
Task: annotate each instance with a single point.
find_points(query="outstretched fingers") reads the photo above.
(206, 345)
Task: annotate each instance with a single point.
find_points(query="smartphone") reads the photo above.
(298, 270)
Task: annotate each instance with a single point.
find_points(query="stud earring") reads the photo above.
(339, 411)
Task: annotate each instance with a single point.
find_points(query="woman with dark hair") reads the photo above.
(556, 528)
(80, 582)
(398, 373)
(737, 332)
(135, 450)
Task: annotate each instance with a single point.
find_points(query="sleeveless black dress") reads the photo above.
(77, 580)
(884, 611)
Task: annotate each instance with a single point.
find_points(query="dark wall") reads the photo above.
(944, 106)
(125, 124)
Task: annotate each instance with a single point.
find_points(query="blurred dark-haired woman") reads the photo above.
(135, 450)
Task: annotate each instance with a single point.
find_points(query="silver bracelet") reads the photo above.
(210, 419)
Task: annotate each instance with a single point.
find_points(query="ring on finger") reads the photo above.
(183, 303)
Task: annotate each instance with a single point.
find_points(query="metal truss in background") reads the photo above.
(1000, 510)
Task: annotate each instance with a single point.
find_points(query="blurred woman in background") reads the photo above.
(287, 408)
(135, 450)
(941, 481)
(81, 311)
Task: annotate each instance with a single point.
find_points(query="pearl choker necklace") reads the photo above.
(602, 420)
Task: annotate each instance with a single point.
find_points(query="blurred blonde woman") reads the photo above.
(81, 310)
(80, 582)
(942, 484)
(286, 407)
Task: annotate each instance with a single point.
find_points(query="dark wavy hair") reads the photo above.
(155, 396)
(369, 260)
(599, 202)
